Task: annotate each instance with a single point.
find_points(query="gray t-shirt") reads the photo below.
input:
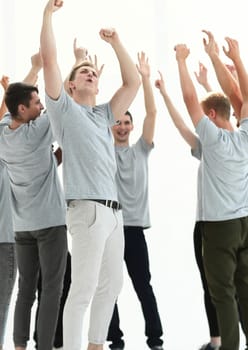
(223, 171)
(84, 134)
(132, 183)
(36, 194)
(6, 225)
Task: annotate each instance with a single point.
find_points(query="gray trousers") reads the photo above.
(44, 249)
(7, 281)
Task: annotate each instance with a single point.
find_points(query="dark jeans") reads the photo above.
(58, 339)
(137, 262)
(225, 258)
(209, 306)
(44, 249)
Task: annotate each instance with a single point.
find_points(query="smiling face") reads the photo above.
(122, 129)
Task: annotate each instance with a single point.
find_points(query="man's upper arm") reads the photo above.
(122, 100)
(244, 110)
(53, 80)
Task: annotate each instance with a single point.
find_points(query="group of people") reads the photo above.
(104, 200)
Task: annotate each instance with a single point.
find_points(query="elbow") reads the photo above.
(134, 85)
(153, 113)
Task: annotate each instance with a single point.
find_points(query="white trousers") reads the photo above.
(97, 270)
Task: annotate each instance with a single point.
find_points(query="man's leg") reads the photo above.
(52, 245)
(110, 279)
(209, 306)
(58, 340)
(28, 268)
(7, 281)
(37, 309)
(221, 241)
(114, 332)
(137, 261)
(241, 278)
(89, 224)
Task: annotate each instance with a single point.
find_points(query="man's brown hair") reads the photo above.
(219, 102)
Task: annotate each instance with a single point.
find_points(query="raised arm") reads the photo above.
(36, 65)
(233, 53)
(188, 89)
(177, 119)
(202, 77)
(226, 80)
(151, 112)
(52, 74)
(125, 95)
(5, 83)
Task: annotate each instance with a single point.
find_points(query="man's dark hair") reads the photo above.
(130, 116)
(16, 94)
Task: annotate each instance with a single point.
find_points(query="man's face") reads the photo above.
(33, 110)
(122, 129)
(86, 78)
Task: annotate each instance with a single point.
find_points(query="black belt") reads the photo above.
(108, 203)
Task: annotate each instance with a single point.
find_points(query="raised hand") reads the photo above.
(95, 62)
(53, 5)
(210, 46)
(36, 61)
(182, 52)
(109, 35)
(202, 77)
(233, 49)
(159, 83)
(4, 82)
(143, 66)
(202, 74)
(80, 53)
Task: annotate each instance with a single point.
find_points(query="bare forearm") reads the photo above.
(47, 40)
(207, 87)
(228, 84)
(225, 78)
(32, 76)
(52, 74)
(174, 114)
(128, 69)
(3, 109)
(242, 77)
(179, 123)
(188, 89)
(150, 106)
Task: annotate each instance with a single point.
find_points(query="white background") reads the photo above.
(153, 26)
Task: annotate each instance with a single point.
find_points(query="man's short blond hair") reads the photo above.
(85, 63)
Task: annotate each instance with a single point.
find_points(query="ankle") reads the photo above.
(95, 346)
(215, 342)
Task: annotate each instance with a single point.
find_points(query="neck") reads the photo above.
(15, 124)
(121, 144)
(227, 125)
(83, 99)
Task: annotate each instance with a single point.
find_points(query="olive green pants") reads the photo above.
(225, 257)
